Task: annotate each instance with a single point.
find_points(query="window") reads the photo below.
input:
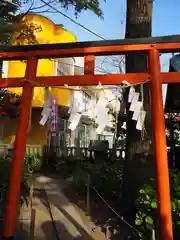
(86, 99)
(65, 67)
(82, 135)
(62, 125)
(62, 133)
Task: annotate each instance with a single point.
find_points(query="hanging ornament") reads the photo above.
(131, 94)
(47, 107)
(54, 118)
(74, 122)
(137, 108)
(76, 110)
(102, 113)
(134, 101)
(140, 120)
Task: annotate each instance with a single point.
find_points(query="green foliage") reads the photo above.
(8, 18)
(4, 92)
(31, 164)
(79, 5)
(64, 165)
(25, 32)
(82, 5)
(106, 177)
(147, 212)
(4, 178)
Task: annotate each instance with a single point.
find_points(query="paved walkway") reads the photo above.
(53, 216)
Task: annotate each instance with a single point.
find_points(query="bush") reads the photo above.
(147, 212)
(4, 179)
(106, 177)
(65, 165)
(32, 163)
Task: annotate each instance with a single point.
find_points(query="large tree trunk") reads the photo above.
(139, 165)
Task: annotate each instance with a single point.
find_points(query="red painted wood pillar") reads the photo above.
(12, 205)
(89, 65)
(162, 174)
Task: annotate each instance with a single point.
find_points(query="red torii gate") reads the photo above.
(151, 46)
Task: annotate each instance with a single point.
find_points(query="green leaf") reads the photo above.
(149, 220)
(147, 197)
(141, 191)
(138, 222)
(173, 205)
(154, 204)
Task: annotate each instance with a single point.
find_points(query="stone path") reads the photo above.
(52, 215)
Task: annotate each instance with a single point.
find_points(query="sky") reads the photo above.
(166, 17)
(165, 21)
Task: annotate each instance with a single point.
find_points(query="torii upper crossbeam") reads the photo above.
(151, 46)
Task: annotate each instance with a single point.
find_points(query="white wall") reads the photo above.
(5, 69)
(79, 61)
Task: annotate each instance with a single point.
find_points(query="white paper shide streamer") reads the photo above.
(96, 110)
(47, 106)
(76, 110)
(140, 121)
(136, 107)
(102, 114)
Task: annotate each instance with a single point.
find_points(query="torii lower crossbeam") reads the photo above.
(151, 46)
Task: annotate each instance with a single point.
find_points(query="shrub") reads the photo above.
(32, 163)
(106, 177)
(147, 209)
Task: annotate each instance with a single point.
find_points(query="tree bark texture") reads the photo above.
(139, 164)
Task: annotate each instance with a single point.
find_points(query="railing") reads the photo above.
(4, 150)
(74, 152)
(30, 149)
(35, 149)
(82, 152)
